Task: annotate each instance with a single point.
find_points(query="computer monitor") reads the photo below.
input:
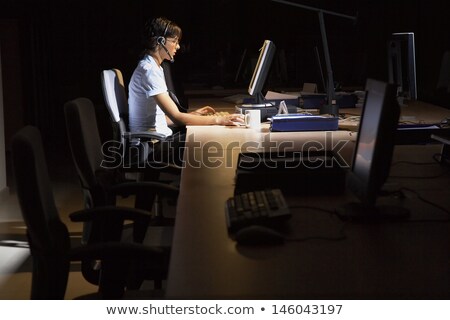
(373, 154)
(402, 64)
(260, 73)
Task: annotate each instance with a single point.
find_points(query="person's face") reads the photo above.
(172, 45)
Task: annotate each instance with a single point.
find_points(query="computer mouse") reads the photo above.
(258, 235)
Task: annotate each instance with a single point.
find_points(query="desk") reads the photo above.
(413, 112)
(403, 260)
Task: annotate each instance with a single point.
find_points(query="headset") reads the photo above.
(161, 40)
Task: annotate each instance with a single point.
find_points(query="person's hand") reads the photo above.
(230, 120)
(204, 111)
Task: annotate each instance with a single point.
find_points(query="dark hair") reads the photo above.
(159, 27)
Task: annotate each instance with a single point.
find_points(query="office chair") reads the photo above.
(136, 146)
(48, 236)
(101, 185)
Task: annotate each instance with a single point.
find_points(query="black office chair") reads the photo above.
(136, 147)
(102, 184)
(48, 236)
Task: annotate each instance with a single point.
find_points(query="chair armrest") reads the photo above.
(110, 221)
(108, 213)
(144, 135)
(145, 192)
(166, 167)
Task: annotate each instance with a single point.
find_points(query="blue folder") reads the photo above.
(301, 122)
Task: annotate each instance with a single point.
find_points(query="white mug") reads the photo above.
(253, 119)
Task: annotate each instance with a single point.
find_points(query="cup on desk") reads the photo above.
(252, 119)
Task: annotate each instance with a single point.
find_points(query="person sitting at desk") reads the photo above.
(151, 106)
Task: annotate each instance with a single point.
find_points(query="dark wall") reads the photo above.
(64, 45)
(427, 19)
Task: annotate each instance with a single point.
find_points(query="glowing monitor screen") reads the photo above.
(261, 70)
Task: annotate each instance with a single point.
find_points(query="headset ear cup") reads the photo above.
(161, 40)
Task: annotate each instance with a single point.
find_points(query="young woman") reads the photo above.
(150, 104)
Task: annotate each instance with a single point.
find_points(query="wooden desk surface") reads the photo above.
(407, 260)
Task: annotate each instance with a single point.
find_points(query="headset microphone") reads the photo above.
(162, 41)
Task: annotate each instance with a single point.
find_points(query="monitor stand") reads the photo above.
(332, 109)
(268, 108)
(258, 102)
(358, 212)
(267, 111)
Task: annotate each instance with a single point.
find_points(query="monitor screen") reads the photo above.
(261, 71)
(373, 152)
(374, 147)
(402, 64)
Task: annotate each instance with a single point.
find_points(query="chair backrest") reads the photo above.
(116, 102)
(168, 76)
(47, 235)
(114, 94)
(117, 105)
(86, 148)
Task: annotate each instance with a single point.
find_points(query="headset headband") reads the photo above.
(166, 28)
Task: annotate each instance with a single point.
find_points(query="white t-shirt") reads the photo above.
(147, 81)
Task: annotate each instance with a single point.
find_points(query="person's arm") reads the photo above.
(180, 118)
(199, 112)
(203, 111)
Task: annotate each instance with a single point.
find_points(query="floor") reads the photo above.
(15, 261)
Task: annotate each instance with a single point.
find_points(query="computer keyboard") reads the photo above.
(265, 207)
